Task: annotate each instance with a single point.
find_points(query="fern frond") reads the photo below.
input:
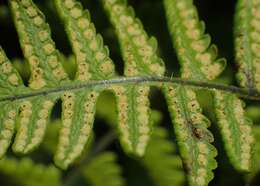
(37, 45)
(247, 39)
(77, 121)
(92, 56)
(235, 128)
(133, 117)
(197, 56)
(191, 132)
(18, 170)
(10, 82)
(9, 77)
(46, 71)
(161, 157)
(103, 169)
(198, 61)
(33, 120)
(94, 70)
(138, 50)
(93, 62)
(139, 54)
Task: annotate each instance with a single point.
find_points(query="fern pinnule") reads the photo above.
(34, 117)
(77, 122)
(7, 127)
(198, 61)
(197, 57)
(229, 108)
(188, 18)
(194, 139)
(9, 77)
(92, 56)
(236, 129)
(247, 39)
(39, 50)
(93, 62)
(138, 50)
(10, 82)
(37, 45)
(139, 54)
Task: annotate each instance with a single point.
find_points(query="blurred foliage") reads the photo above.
(103, 169)
(25, 172)
(161, 157)
(256, 165)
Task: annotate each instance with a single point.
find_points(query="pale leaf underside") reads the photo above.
(198, 58)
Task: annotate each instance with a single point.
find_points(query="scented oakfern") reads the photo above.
(27, 109)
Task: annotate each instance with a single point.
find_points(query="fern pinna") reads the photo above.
(27, 109)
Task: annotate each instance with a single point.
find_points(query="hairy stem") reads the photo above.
(147, 80)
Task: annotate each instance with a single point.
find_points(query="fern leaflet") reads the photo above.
(194, 50)
(247, 38)
(140, 59)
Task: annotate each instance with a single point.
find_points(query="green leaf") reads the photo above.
(161, 157)
(247, 43)
(51, 138)
(139, 54)
(37, 45)
(46, 71)
(7, 125)
(133, 117)
(78, 111)
(198, 61)
(196, 55)
(235, 128)
(34, 116)
(194, 139)
(94, 70)
(92, 56)
(93, 62)
(138, 50)
(256, 155)
(27, 173)
(106, 108)
(103, 169)
(10, 82)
